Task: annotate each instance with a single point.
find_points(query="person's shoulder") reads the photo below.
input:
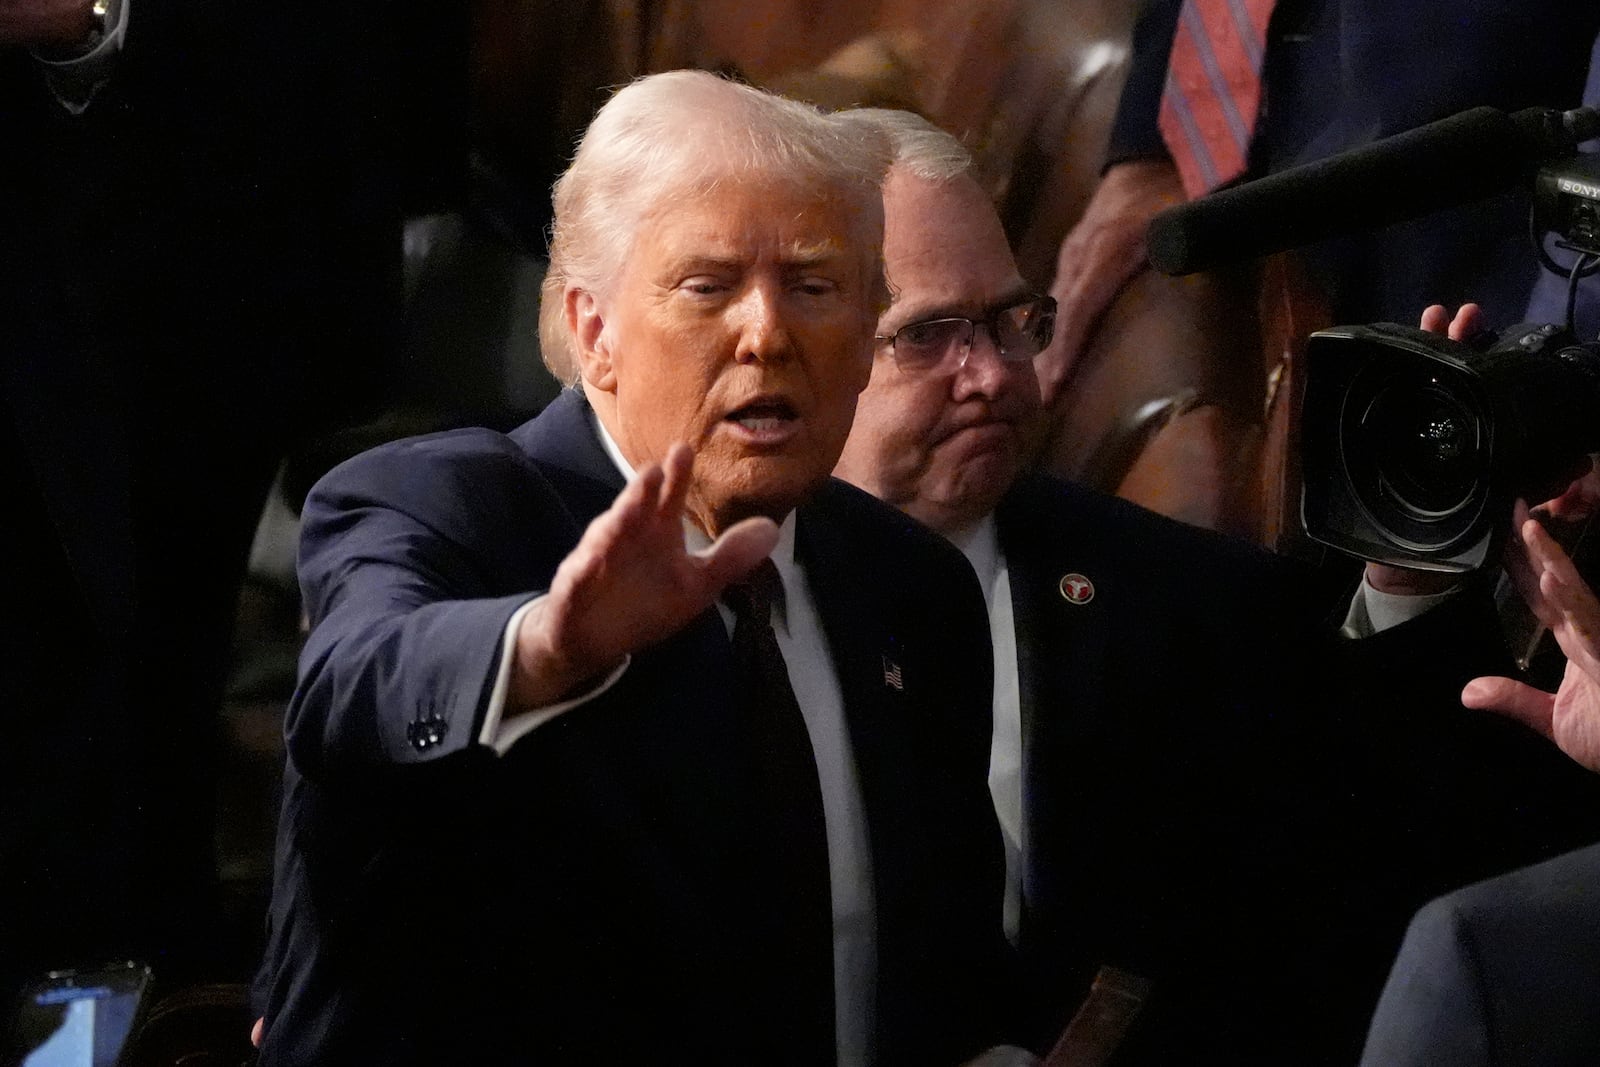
(1042, 509)
(844, 503)
(879, 534)
(1521, 919)
(1049, 527)
(476, 488)
(429, 467)
(865, 550)
(1512, 963)
(1528, 900)
(472, 468)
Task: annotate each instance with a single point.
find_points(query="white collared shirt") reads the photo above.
(1373, 611)
(981, 545)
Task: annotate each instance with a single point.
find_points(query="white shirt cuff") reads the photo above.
(500, 731)
(1373, 611)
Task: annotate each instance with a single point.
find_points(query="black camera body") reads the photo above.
(1414, 446)
(1566, 202)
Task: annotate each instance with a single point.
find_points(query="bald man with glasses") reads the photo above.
(1183, 792)
(1109, 626)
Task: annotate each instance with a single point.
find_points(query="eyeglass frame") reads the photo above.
(989, 321)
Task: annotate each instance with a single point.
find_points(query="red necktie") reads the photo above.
(1213, 91)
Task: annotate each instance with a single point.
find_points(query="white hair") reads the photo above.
(671, 135)
(917, 145)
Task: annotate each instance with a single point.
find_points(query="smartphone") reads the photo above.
(82, 1018)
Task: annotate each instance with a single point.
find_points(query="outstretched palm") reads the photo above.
(629, 583)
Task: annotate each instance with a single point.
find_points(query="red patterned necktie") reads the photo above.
(1213, 91)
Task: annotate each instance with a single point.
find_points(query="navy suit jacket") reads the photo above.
(1158, 825)
(1226, 799)
(1341, 73)
(1505, 972)
(589, 897)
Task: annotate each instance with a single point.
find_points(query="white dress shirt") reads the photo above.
(981, 545)
(1373, 611)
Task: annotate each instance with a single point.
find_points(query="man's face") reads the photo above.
(943, 446)
(742, 326)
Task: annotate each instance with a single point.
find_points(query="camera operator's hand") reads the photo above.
(1402, 581)
(1467, 321)
(1563, 602)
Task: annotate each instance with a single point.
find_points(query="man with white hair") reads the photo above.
(629, 736)
(1100, 717)
(1173, 782)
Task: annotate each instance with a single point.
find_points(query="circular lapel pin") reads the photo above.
(1076, 589)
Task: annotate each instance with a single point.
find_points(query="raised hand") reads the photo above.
(1563, 602)
(1101, 254)
(629, 583)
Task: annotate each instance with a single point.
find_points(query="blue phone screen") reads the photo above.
(79, 1026)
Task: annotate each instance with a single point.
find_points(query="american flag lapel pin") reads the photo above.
(892, 676)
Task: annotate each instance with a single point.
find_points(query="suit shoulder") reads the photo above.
(872, 549)
(429, 463)
(474, 490)
(1536, 897)
(1056, 510)
(882, 535)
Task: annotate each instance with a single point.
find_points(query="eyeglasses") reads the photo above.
(1020, 331)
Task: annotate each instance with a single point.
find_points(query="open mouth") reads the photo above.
(763, 416)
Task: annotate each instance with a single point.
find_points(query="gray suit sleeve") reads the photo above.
(1432, 1008)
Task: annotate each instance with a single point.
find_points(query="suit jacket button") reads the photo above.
(424, 734)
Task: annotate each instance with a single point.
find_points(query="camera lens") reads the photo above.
(1414, 446)
(1414, 441)
(1425, 449)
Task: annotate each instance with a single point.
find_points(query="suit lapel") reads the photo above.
(563, 436)
(562, 440)
(1063, 652)
(1061, 645)
(883, 705)
(865, 645)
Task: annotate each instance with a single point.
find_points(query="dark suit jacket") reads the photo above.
(1341, 73)
(1156, 821)
(590, 896)
(1505, 972)
(1226, 799)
